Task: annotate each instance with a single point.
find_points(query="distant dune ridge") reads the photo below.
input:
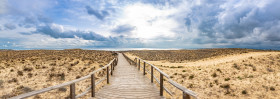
(220, 73)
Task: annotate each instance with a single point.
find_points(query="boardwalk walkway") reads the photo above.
(128, 83)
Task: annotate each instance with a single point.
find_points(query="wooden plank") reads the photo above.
(93, 85)
(72, 91)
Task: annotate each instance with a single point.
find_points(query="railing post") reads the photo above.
(111, 69)
(114, 65)
(144, 68)
(92, 85)
(152, 74)
(186, 96)
(72, 91)
(135, 62)
(108, 75)
(161, 84)
(139, 64)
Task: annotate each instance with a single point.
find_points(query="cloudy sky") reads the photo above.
(159, 24)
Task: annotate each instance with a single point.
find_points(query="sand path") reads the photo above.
(216, 60)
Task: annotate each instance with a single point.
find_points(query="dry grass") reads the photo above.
(24, 71)
(241, 75)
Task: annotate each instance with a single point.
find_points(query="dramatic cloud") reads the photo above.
(124, 29)
(57, 31)
(141, 23)
(10, 26)
(98, 14)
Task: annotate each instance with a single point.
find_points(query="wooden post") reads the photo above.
(161, 84)
(152, 74)
(72, 91)
(186, 96)
(114, 65)
(139, 64)
(144, 68)
(108, 75)
(92, 85)
(135, 62)
(111, 69)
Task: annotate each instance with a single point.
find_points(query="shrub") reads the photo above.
(175, 73)
(180, 66)
(184, 71)
(20, 73)
(227, 79)
(239, 78)
(13, 80)
(244, 92)
(52, 64)
(269, 69)
(272, 88)
(226, 86)
(28, 69)
(216, 81)
(62, 89)
(236, 66)
(191, 77)
(211, 85)
(62, 76)
(214, 75)
(219, 70)
(29, 75)
(172, 67)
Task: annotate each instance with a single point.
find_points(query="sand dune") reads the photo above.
(247, 75)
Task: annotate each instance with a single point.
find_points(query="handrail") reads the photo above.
(112, 63)
(186, 92)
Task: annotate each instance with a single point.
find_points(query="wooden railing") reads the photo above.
(186, 92)
(109, 69)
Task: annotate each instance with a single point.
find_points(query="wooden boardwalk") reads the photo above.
(128, 83)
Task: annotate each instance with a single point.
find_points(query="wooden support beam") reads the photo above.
(186, 96)
(152, 74)
(111, 69)
(144, 68)
(72, 91)
(139, 64)
(108, 75)
(161, 84)
(92, 85)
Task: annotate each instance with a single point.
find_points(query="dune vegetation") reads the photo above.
(27, 70)
(219, 73)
